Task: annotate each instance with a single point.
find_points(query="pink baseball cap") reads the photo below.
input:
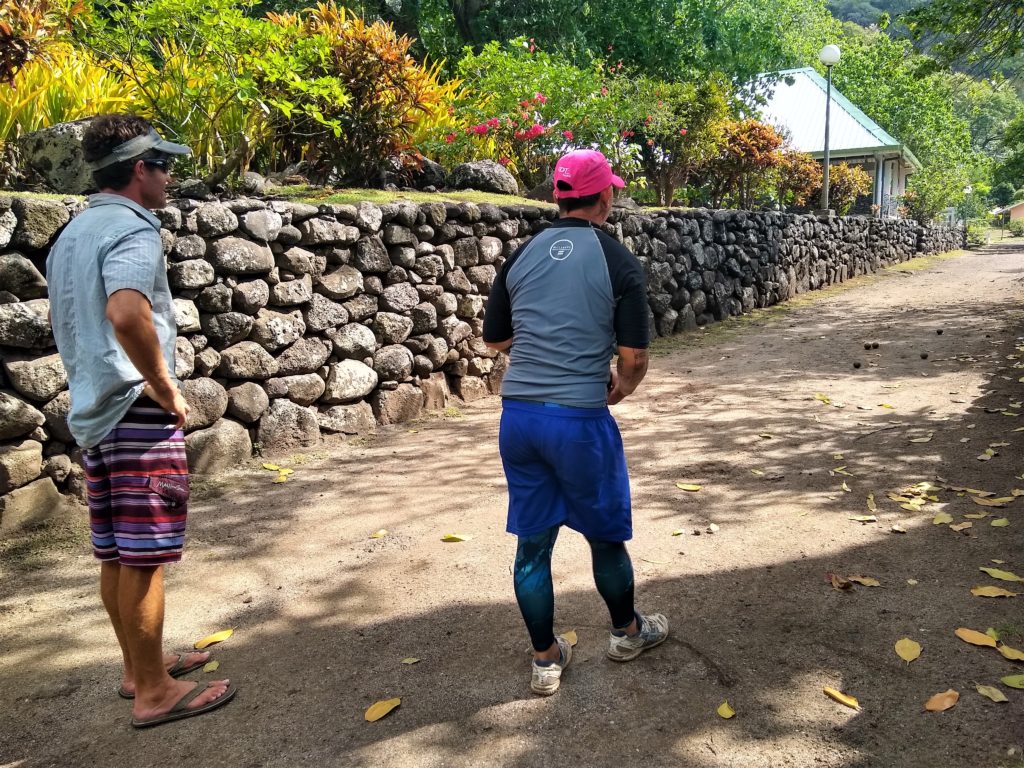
(584, 172)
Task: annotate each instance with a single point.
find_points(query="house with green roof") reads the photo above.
(795, 105)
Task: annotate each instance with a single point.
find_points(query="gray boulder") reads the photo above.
(54, 156)
(206, 362)
(287, 425)
(323, 314)
(261, 225)
(184, 358)
(215, 298)
(392, 328)
(186, 316)
(372, 256)
(276, 330)
(235, 256)
(399, 298)
(485, 176)
(424, 318)
(250, 297)
(29, 505)
(303, 388)
(247, 401)
(398, 405)
(55, 414)
(20, 276)
(208, 401)
(340, 284)
(17, 417)
(214, 220)
(319, 231)
(353, 341)
(191, 274)
(37, 378)
(20, 463)
(222, 446)
(189, 247)
(292, 292)
(57, 467)
(246, 360)
(304, 356)
(227, 328)
(355, 419)
(393, 363)
(26, 325)
(349, 380)
(369, 217)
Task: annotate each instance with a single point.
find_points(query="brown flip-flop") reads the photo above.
(180, 710)
(177, 669)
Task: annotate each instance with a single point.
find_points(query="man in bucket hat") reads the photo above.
(562, 305)
(113, 320)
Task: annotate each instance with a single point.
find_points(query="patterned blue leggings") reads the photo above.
(613, 575)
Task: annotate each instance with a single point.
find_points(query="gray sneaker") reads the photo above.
(653, 631)
(545, 680)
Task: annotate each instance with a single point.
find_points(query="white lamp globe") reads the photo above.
(829, 55)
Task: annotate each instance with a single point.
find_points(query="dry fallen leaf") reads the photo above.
(885, 405)
(977, 516)
(897, 528)
(942, 518)
(211, 666)
(974, 637)
(688, 487)
(379, 534)
(571, 637)
(838, 582)
(725, 711)
(961, 527)
(286, 471)
(995, 573)
(992, 592)
(845, 487)
(866, 581)
(450, 538)
(678, 532)
(271, 467)
(1011, 653)
(281, 479)
(757, 472)
(1000, 502)
(912, 582)
(411, 660)
(940, 702)
(842, 698)
(1001, 522)
(378, 709)
(926, 439)
(216, 637)
(863, 519)
(991, 692)
(907, 649)
(872, 507)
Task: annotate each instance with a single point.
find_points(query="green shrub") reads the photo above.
(1016, 227)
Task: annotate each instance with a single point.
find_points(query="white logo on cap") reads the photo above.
(560, 250)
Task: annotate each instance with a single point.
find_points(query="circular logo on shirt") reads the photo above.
(560, 249)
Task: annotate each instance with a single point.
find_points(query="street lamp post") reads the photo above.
(829, 56)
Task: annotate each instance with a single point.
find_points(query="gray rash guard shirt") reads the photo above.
(567, 298)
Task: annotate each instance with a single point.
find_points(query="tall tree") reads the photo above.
(976, 33)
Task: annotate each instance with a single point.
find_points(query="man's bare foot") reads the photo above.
(165, 699)
(170, 659)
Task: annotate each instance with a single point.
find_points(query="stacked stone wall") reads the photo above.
(298, 320)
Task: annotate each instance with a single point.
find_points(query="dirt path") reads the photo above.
(324, 615)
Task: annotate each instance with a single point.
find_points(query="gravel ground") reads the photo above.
(762, 413)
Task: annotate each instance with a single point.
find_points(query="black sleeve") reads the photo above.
(629, 287)
(498, 315)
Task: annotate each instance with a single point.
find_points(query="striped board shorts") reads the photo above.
(138, 488)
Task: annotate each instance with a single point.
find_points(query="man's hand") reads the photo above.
(631, 369)
(171, 401)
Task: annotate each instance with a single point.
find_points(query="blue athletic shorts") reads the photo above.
(564, 466)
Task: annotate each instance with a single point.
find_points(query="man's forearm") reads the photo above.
(631, 368)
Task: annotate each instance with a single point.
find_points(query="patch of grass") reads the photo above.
(39, 195)
(452, 412)
(305, 193)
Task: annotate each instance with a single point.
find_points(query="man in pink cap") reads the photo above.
(563, 305)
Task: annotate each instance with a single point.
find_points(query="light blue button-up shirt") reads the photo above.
(114, 244)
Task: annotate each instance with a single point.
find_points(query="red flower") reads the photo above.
(449, 138)
(524, 103)
(604, 91)
(541, 98)
(682, 131)
(494, 122)
(650, 142)
(504, 160)
(567, 134)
